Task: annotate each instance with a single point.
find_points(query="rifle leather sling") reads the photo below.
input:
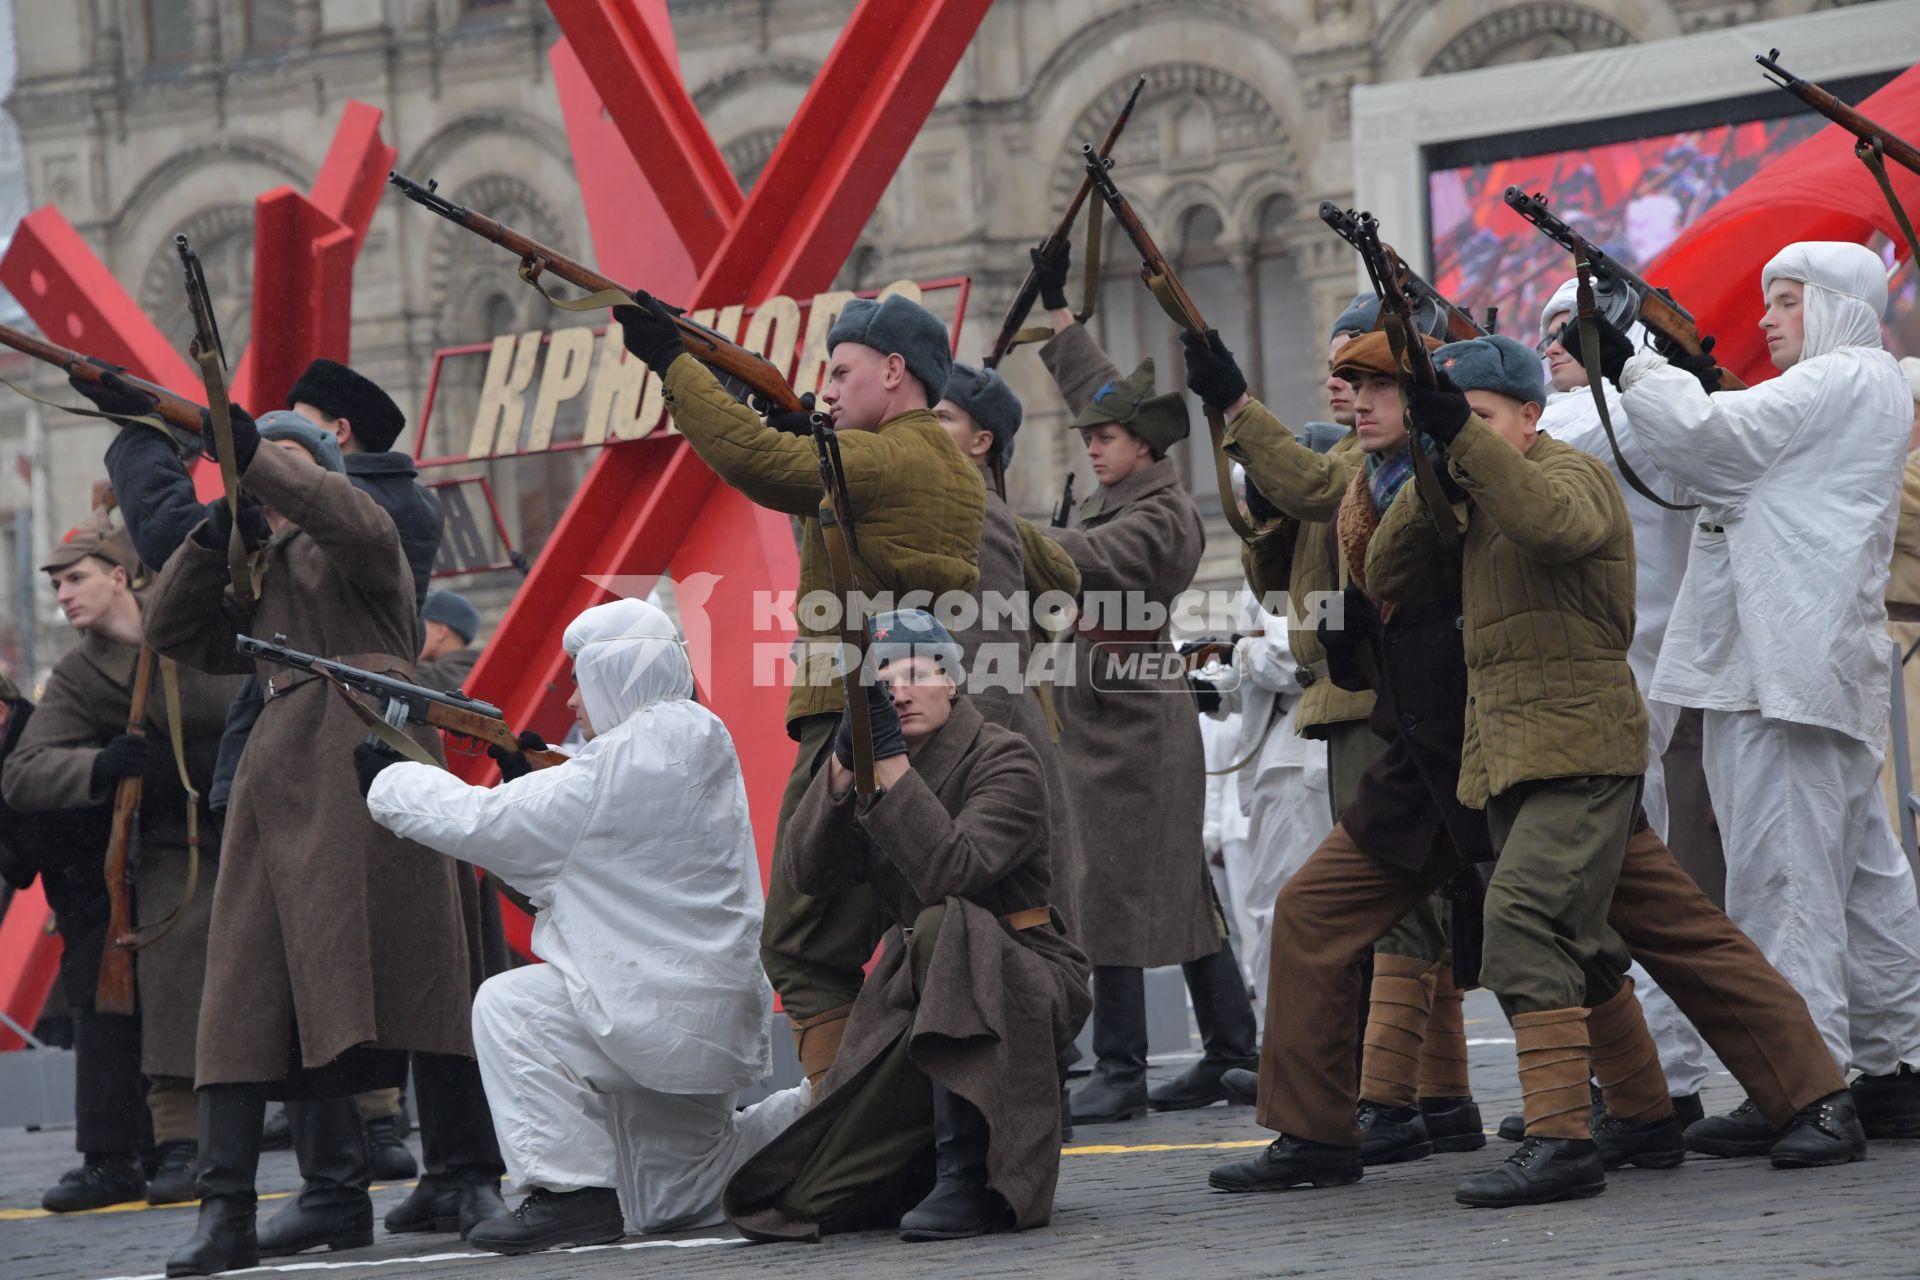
(1169, 300)
(1872, 155)
(1089, 286)
(1425, 479)
(147, 935)
(1596, 383)
(286, 679)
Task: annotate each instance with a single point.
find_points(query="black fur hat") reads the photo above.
(339, 392)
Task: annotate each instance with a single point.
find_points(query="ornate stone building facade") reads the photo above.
(143, 118)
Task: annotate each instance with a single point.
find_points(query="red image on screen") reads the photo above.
(1630, 198)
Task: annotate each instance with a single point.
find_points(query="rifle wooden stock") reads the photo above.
(708, 346)
(1161, 279)
(1029, 291)
(471, 724)
(1896, 149)
(1346, 223)
(1656, 308)
(176, 411)
(114, 993)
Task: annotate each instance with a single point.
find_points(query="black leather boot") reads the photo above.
(223, 1240)
(432, 1205)
(961, 1203)
(387, 1156)
(333, 1209)
(98, 1182)
(1826, 1131)
(1117, 1089)
(1242, 1085)
(1391, 1135)
(1889, 1105)
(1289, 1162)
(554, 1220)
(172, 1180)
(1741, 1132)
(1660, 1144)
(1542, 1170)
(1227, 1032)
(1454, 1124)
(457, 1144)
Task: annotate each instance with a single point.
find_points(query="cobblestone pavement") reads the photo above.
(1133, 1202)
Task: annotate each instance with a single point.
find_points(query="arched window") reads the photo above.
(1292, 364)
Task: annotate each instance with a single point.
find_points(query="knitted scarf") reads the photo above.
(1386, 475)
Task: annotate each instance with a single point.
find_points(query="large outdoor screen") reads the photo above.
(1631, 198)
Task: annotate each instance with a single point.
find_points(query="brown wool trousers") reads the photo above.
(1334, 907)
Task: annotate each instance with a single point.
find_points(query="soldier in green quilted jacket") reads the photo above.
(918, 506)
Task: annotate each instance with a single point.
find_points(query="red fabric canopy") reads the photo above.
(1817, 191)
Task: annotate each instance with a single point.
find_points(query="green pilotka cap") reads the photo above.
(1161, 421)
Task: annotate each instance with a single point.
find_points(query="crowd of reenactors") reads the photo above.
(1468, 647)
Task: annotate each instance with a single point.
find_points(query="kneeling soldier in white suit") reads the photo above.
(612, 1069)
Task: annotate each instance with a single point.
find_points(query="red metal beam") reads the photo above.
(634, 239)
(834, 162)
(638, 79)
(809, 209)
(353, 177)
(76, 301)
(302, 296)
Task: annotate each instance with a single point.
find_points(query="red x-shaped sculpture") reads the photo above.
(668, 216)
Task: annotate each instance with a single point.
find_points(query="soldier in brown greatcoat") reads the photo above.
(296, 911)
(71, 757)
(1131, 740)
(951, 1049)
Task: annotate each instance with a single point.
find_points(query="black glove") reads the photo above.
(246, 437)
(123, 757)
(1343, 644)
(1204, 694)
(113, 397)
(650, 333)
(1050, 268)
(1701, 365)
(1259, 506)
(1440, 412)
(1615, 350)
(1212, 373)
(219, 525)
(514, 764)
(369, 758)
(887, 738)
(794, 422)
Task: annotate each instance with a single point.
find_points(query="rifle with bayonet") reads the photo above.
(179, 416)
(1011, 330)
(721, 354)
(1164, 284)
(208, 352)
(1619, 293)
(400, 702)
(1400, 293)
(1875, 144)
(1393, 269)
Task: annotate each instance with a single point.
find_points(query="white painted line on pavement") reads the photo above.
(699, 1243)
(1489, 1040)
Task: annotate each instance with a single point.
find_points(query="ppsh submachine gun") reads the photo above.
(399, 702)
